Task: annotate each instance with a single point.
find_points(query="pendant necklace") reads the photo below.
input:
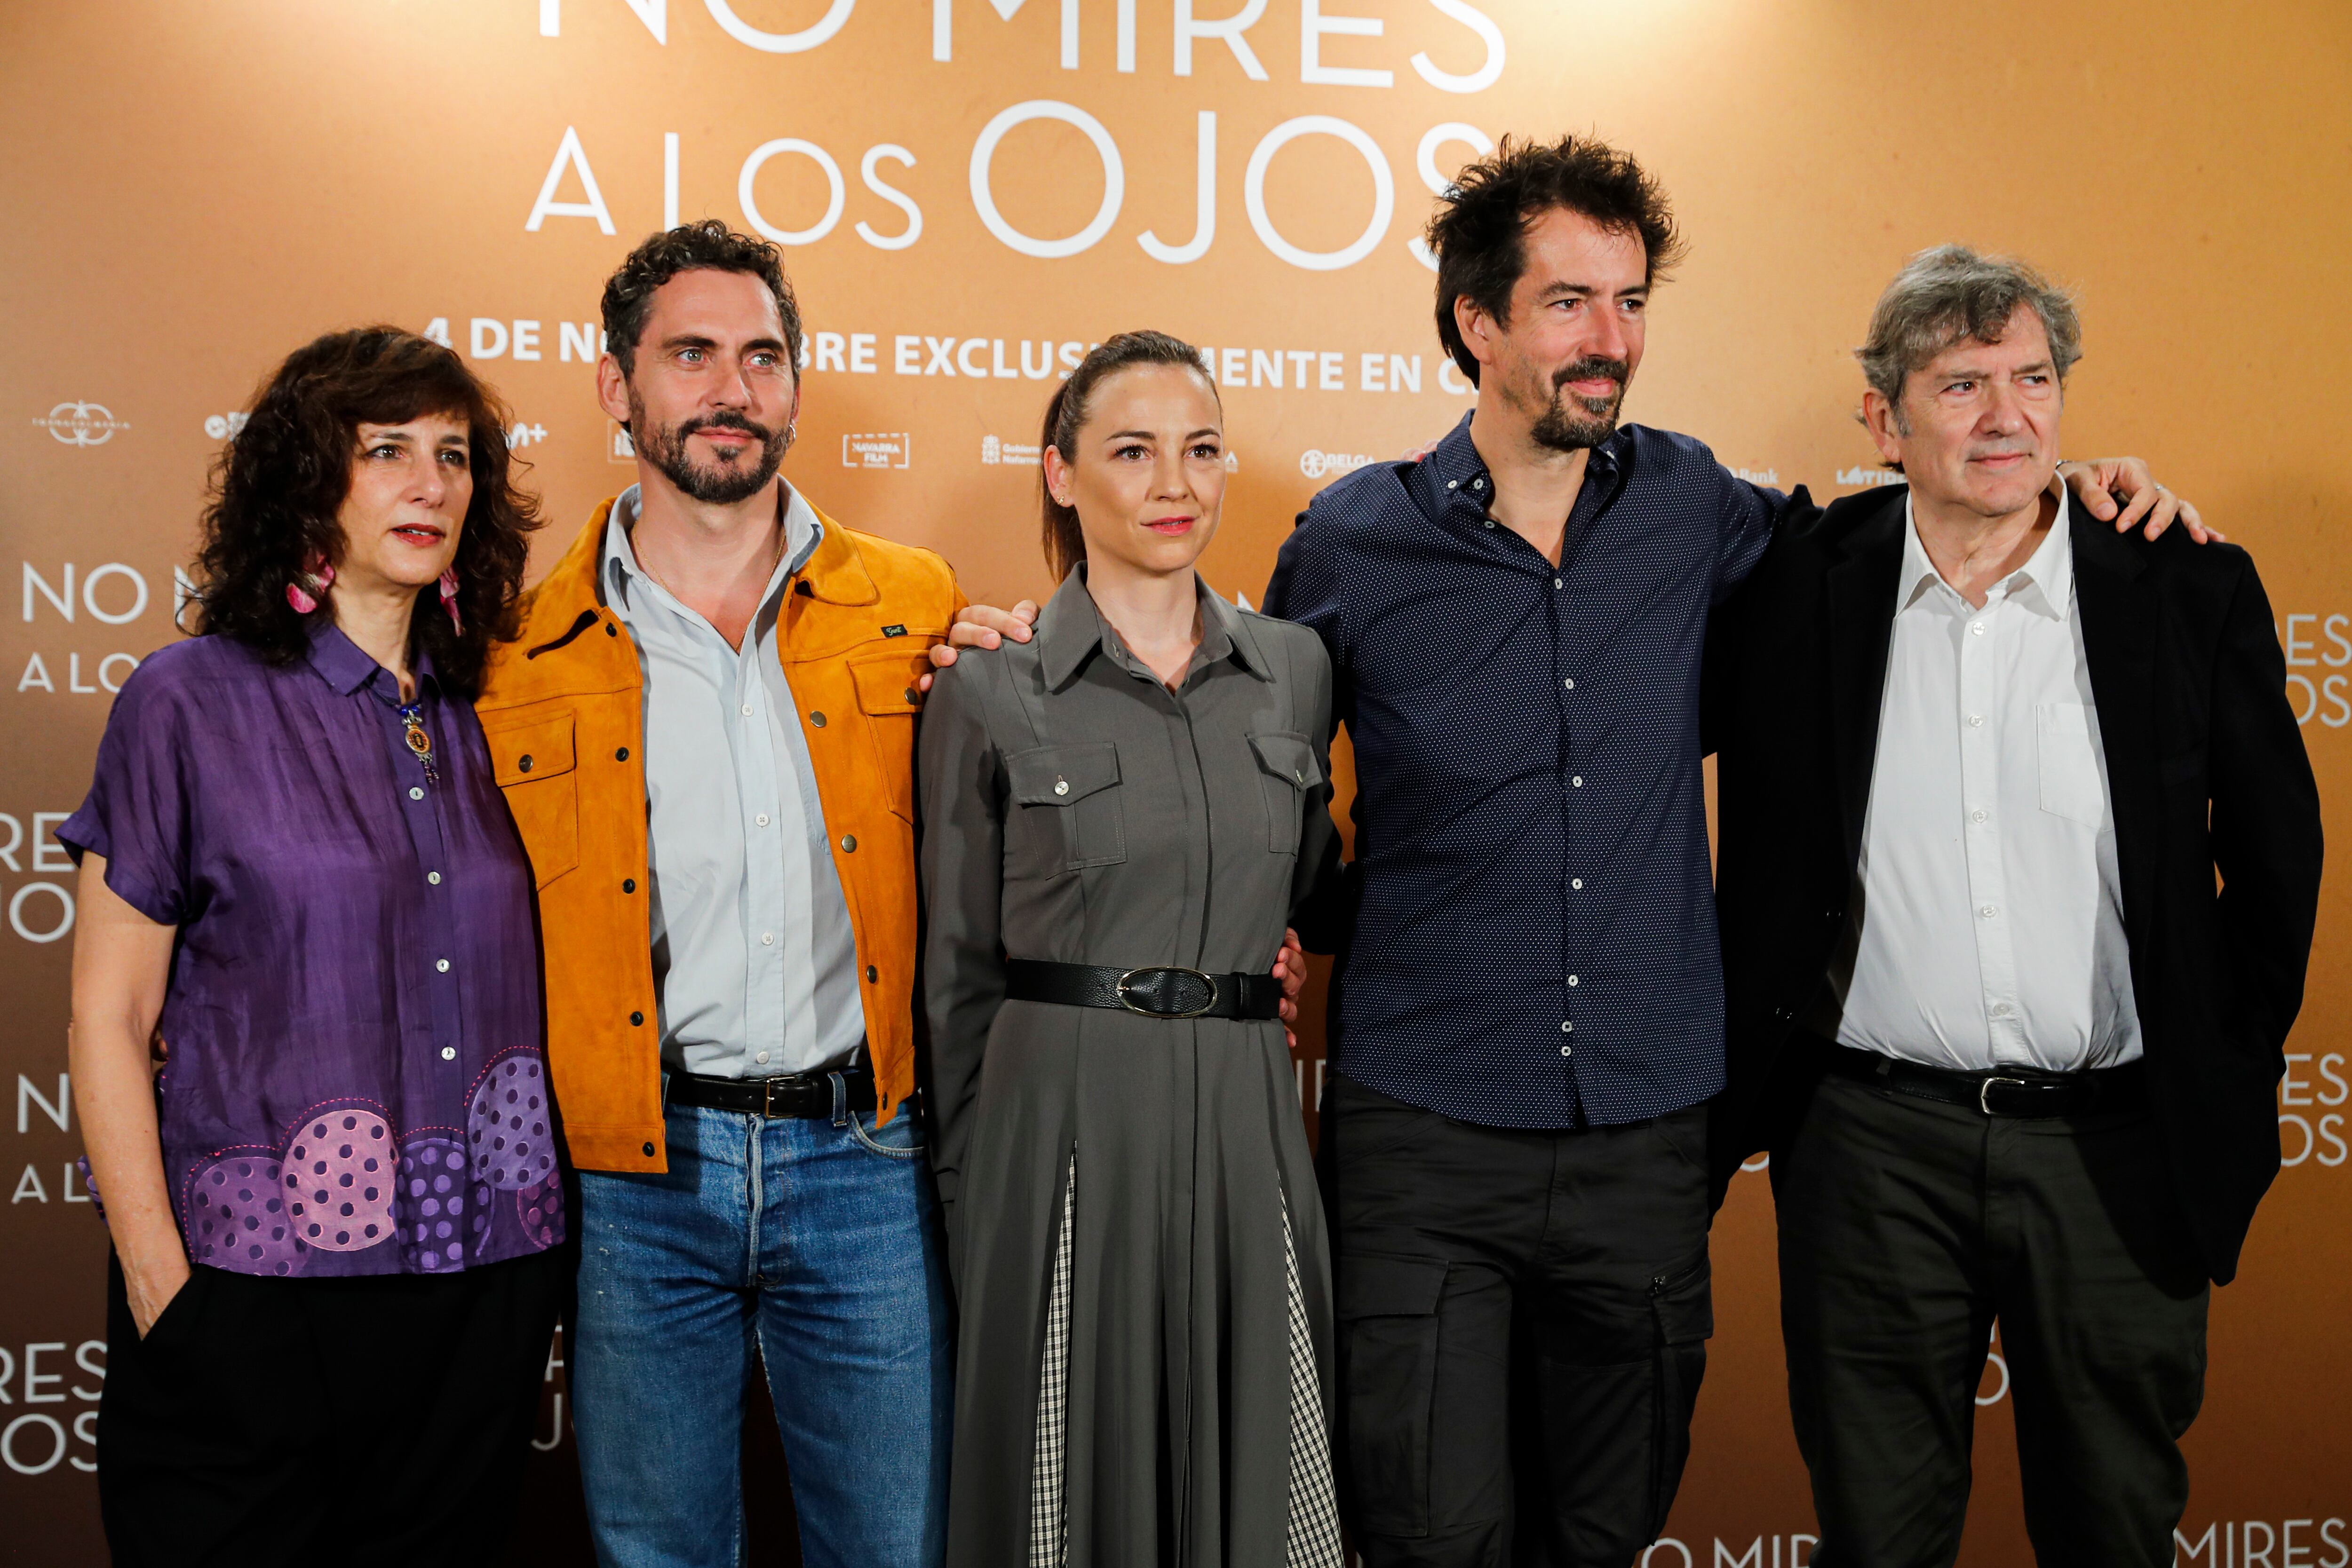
(412, 719)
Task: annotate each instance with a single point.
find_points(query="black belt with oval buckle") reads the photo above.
(2021, 1091)
(802, 1094)
(1159, 991)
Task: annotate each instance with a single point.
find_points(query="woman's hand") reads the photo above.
(151, 1287)
(1290, 968)
(121, 963)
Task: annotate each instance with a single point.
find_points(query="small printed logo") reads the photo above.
(1315, 464)
(618, 447)
(877, 449)
(894, 631)
(522, 434)
(993, 450)
(82, 423)
(1758, 476)
(1868, 476)
(221, 426)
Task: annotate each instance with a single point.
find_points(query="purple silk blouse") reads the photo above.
(353, 1081)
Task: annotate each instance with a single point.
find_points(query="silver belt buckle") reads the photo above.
(1208, 979)
(1984, 1092)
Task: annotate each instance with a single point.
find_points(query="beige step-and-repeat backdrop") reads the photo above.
(971, 190)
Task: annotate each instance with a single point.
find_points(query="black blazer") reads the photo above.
(2206, 769)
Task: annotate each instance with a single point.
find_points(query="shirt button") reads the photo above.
(1976, 628)
(849, 844)
(442, 965)
(1572, 980)
(1570, 684)
(1577, 782)
(747, 710)
(767, 938)
(1450, 484)
(2000, 1010)
(817, 719)
(1577, 882)
(761, 1058)
(1490, 522)
(433, 877)
(761, 819)
(415, 793)
(1567, 1027)
(1568, 1050)
(1989, 910)
(1556, 583)
(1978, 816)
(448, 1053)
(1976, 721)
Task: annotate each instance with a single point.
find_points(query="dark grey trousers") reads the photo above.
(1907, 1228)
(1522, 1325)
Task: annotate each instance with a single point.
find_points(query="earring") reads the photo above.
(309, 584)
(450, 599)
(792, 431)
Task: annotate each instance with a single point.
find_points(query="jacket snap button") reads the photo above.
(524, 766)
(849, 842)
(1061, 786)
(637, 1021)
(911, 695)
(817, 719)
(872, 974)
(649, 1150)
(622, 755)
(612, 631)
(628, 885)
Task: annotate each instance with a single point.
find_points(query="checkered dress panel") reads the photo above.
(1314, 1538)
(1049, 1525)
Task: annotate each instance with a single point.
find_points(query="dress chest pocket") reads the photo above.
(2066, 743)
(1065, 809)
(1287, 770)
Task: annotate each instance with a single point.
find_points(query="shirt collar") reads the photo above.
(1072, 630)
(2045, 584)
(1458, 472)
(346, 668)
(624, 577)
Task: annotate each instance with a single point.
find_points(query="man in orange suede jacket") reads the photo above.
(705, 735)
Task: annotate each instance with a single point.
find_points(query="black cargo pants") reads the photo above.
(1523, 1323)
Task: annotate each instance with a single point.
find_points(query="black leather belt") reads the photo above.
(807, 1094)
(2003, 1091)
(1161, 991)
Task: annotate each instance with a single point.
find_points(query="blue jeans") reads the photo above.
(816, 1235)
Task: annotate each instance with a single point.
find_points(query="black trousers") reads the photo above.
(1522, 1327)
(1907, 1228)
(358, 1421)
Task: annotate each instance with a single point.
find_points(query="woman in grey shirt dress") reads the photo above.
(1120, 817)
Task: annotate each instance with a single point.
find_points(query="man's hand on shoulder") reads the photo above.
(2098, 485)
(982, 626)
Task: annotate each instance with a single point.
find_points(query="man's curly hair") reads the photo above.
(278, 488)
(629, 292)
(1480, 228)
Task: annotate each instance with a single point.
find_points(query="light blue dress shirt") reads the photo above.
(754, 959)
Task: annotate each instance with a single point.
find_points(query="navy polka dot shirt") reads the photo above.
(1534, 943)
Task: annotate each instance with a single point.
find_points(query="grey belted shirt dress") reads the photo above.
(1145, 1372)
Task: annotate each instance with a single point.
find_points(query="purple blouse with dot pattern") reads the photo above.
(355, 1083)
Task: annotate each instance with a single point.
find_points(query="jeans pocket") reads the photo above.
(1388, 1353)
(1681, 1314)
(898, 1140)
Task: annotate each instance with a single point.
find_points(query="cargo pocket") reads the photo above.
(1388, 1353)
(1067, 800)
(1289, 765)
(890, 698)
(1682, 1314)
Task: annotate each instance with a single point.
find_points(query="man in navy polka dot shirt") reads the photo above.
(1529, 1019)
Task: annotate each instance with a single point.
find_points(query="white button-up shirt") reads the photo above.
(754, 958)
(1988, 928)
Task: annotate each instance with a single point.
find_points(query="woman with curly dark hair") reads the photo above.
(335, 1208)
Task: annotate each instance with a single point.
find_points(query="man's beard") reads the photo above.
(713, 484)
(1573, 424)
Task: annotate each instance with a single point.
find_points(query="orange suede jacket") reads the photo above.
(563, 708)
